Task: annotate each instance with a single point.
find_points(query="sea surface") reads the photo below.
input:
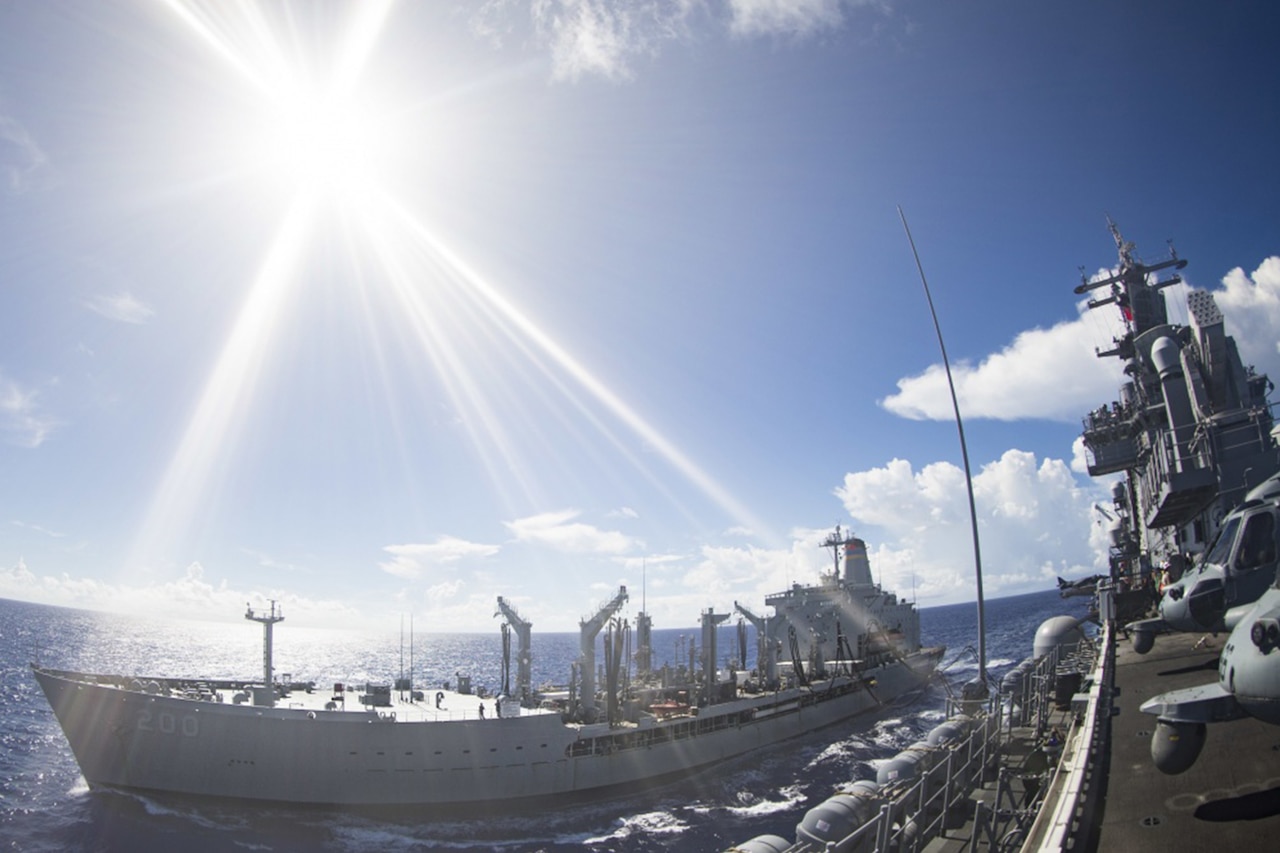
(46, 806)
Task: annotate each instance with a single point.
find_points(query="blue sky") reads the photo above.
(397, 307)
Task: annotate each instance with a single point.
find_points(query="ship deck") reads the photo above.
(452, 706)
(1228, 800)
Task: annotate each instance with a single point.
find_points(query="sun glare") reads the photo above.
(319, 132)
(320, 143)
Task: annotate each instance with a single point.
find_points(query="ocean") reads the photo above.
(46, 806)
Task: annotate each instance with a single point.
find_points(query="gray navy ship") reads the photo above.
(830, 651)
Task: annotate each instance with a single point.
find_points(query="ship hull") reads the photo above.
(130, 739)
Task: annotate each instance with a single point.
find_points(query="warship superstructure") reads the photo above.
(854, 649)
(1191, 431)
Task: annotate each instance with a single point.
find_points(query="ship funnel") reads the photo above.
(857, 568)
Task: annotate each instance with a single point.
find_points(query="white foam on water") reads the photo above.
(155, 808)
(791, 796)
(648, 823)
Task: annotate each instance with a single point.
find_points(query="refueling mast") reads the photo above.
(267, 694)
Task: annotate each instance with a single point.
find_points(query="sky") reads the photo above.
(392, 308)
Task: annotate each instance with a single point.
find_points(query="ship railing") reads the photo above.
(922, 812)
(916, 814)
(1075, 789)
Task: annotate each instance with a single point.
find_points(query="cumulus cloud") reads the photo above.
(121, 307)
(1034, 522)
(558, 530)
(411, 560)
(1055, 373)
(1045, 373)
(1035, 519)
(1251, 305)
(22, 420)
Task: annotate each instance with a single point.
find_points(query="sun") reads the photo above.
(318, 142)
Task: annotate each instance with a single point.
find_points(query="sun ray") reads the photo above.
(611, 401)
(312, 133)
(219, 416)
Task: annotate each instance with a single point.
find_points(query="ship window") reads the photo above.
(1257, 542)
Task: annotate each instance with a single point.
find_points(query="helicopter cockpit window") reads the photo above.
(1220, 550)
(1257, 541)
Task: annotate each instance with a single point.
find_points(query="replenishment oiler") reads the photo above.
(830, 651)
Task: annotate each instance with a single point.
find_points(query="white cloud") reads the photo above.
(1055, 373)
(1045, 373)
(189, 596)
(411, 560)
(602, 37)
(22, 420)
(558, 530)
(784, 17)
(22, 162)
(606, 37)
(1034, 522)
(121, 307)
(1251, 306)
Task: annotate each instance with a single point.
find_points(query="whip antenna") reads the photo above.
(964, 452)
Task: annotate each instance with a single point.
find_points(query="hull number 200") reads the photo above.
(167, 724)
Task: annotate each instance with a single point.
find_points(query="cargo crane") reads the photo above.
(766, 645)
(524, 653)
(587, 657)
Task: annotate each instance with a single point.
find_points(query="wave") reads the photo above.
(648, 823)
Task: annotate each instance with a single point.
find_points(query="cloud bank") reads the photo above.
(1055, 374)
(1034, 519)
(189, 596)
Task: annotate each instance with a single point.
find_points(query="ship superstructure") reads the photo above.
(1192, 428)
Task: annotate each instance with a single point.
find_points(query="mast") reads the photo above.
(268, 695)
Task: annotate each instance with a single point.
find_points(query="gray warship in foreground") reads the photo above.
(853, 648)
(1059, 757)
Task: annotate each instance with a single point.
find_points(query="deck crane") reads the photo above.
(766, 644)
(524, 653)
(587, 657)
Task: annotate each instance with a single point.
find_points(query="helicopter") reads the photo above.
(1248, 685)
(1236, 570)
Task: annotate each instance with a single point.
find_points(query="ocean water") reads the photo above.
(46, 806)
